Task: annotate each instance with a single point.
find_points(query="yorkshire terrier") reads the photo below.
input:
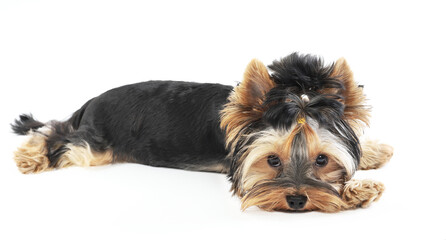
(287, 139)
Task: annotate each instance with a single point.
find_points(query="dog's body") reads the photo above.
(158, 123)
(288, 141)
(169, 124)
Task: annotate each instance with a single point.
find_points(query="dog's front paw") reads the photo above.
(375, 155)
(361, 193)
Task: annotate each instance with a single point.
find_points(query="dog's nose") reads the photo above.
(296, 202)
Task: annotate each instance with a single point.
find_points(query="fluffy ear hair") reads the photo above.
(355, 112)
(245, 104)
(256, 83)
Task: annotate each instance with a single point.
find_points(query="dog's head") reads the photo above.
(293, 135)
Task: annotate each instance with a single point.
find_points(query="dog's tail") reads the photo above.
(25, 123)
(57, 144)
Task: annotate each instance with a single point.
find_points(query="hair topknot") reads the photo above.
(303, 71)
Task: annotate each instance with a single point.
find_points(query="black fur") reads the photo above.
(162, 123)
(157, 123)
(298, 74)
(25, 123)
(285, 107)
(57, 140)
(304, 72)
(325, 109)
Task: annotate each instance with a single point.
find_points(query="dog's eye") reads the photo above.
(274, 161)
(321, 160)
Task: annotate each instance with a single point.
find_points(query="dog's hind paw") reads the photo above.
(31, 156)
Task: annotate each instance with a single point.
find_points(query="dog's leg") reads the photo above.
(82, 155)
(361, 193)
(58, 145)
(374, 154)
(33, 157)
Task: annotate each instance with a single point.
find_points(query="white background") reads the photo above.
(55, 55)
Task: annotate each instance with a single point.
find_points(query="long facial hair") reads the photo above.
(284, 113)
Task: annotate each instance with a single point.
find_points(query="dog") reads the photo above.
(288, 138)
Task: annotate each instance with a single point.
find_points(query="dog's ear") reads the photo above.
(245, 104)
(356, 112)
(256, 83)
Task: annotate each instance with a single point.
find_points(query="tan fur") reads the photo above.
(256, 83)
(355, 194)
(268, 199)
(31, 156)
(256, 170)
(313, 142)
(333, 172)
(322, 201)
(219, 168)
(275, 200)
(361, 193)
(374, 154)
(255, 167)
(245, 103)
(84, 157)
(357, 113)
(310, 136)
(354, 98)
(290, 138)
